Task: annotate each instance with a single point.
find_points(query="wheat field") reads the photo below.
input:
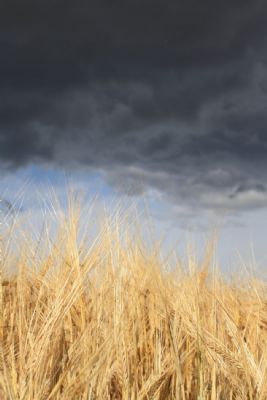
(112, 321)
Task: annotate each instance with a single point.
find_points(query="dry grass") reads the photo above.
(108, 322)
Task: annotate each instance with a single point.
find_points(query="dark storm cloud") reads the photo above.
(171, 93)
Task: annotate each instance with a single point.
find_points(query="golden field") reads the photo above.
(113, 321)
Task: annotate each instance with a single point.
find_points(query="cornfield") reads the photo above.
(110, 320)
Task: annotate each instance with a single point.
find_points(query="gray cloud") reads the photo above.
(163, 95)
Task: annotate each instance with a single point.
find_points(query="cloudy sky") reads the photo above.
(164, 100)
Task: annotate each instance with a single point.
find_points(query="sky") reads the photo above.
(162, 100)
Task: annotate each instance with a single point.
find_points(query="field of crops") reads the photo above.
(112, 321)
